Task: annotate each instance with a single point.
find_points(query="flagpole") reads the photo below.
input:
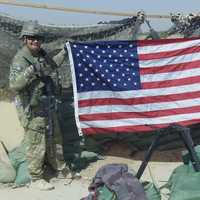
(75, 10)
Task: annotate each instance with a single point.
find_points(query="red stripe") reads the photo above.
(139, 100)
(170, 68)
(141, 43)
(171, 83)
(168, 54)
(133, 129)
(129, 115)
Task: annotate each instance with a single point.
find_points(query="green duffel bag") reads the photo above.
(7, 171)
(18, 160)
(151, 191)
(105, 194)
(184, 183)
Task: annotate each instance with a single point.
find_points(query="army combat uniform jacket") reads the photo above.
(29, 92)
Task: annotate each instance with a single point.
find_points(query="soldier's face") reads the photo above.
(33, 43)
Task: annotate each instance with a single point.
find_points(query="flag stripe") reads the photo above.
(138, 128)
(140, 107)
(171, 67)
(169, 54)
(139, 100)
(147, 121)
(170, 75)
(171, 83)
(134, 94)
(124, 115)
(172, 60)
(146, 47)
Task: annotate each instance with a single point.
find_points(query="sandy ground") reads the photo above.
(159, 169)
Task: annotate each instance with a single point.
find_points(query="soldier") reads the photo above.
(28, 69)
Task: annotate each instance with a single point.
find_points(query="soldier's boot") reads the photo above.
(72, 176)
(68, 176)
(62, 173)
(41, 184)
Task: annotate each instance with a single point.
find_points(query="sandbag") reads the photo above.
(184, 184)
(7, 171)
(184, 181)
(19, 162)
(151, 191)
(105, 194)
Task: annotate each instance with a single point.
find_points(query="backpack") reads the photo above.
(115, 182)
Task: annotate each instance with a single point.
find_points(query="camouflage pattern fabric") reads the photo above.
(37, 150)
(29, 108)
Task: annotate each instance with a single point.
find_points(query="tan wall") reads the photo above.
(11, 133)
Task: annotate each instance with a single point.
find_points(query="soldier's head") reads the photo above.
(32, 36)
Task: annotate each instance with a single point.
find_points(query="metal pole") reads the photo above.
(148, 155)
(75, 10)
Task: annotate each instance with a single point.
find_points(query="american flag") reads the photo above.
(133, 86)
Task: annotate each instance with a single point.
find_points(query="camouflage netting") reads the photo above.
(127, 29)
(55, 37)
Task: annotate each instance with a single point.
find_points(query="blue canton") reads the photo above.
(109, 66)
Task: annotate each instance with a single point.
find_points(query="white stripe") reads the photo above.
(141, 121)
(168, 47)
(169, 61)
(139, 93)
(74, 87)
(140, 107)
(170, 75)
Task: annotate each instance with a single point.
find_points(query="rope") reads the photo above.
(75, 10)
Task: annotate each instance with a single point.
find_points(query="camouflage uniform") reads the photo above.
(29, 107)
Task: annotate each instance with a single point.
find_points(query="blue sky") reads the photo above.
(63, 18)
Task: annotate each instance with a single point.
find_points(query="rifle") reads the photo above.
(49, 105)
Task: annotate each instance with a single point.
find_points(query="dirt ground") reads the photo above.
(158, 170)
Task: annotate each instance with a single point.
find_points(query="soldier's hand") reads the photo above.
(37, 67)
(65, 48)
(29, 71)
(33, 70)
